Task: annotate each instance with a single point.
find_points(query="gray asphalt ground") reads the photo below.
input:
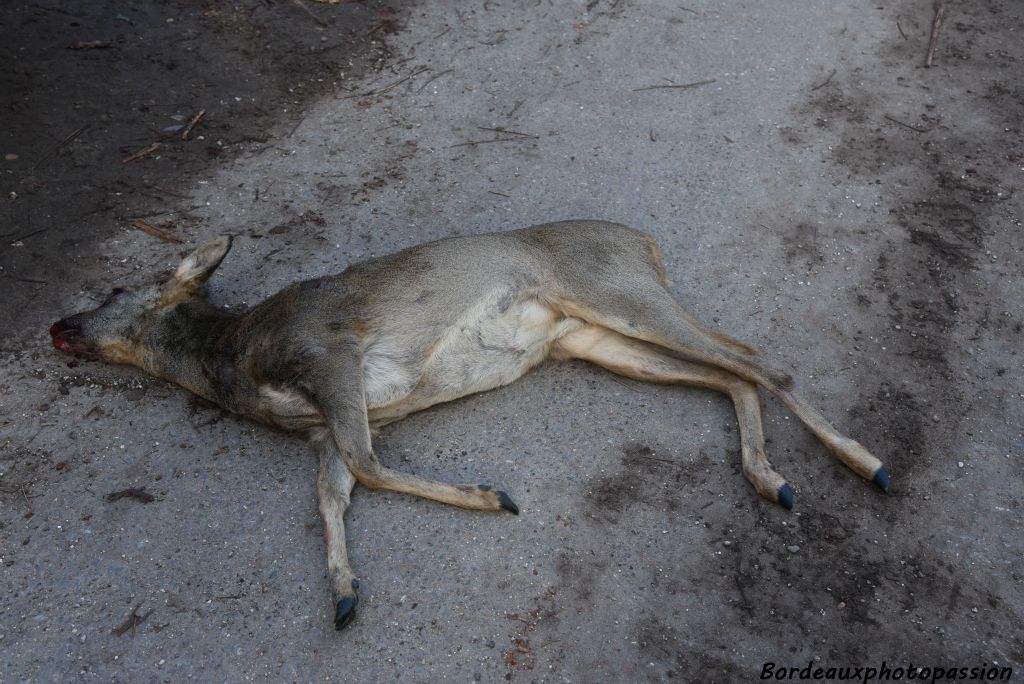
(826, 198)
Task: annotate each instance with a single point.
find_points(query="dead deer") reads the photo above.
(336, 357)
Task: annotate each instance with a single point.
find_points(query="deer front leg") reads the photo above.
(337, 389)
(334, 488)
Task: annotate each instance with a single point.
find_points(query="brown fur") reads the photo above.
(335, 356)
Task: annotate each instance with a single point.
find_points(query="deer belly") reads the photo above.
(491, 346)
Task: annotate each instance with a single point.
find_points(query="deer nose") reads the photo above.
(62, 327)
(64, 334)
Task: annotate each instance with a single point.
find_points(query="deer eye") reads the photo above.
(113, 293)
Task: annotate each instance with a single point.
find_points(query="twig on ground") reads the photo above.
(680, 86)
(302, 6)
(491, 140)
(515, 108)
(296, 126)
(138, 493)
(32, 281)
(132, 621)
(499, 194)
(400, 81)
(510, 132)
(826, 81)
(26, 236)
(154, 231)
(171, 193)
(940, 11)
(906, 125)
(138, 154)
(74, 134)
(192, 124)
(89, 45)
(900, 29)
(434, 78)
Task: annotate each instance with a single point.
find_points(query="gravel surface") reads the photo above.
(817, 192)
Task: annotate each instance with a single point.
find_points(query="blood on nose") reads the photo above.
(61, 331)
(59, 327)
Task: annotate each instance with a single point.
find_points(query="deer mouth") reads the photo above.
(68, 338)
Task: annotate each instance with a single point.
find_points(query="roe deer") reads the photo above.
(335, 357)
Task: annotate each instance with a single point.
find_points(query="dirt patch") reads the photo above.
(74, 114)
(941, 181)
(644, 478)
(674, 656)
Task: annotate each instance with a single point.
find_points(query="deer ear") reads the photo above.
(196, 269)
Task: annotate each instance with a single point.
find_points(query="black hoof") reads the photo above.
(786, 498)
(882, 479)
(346, 611)
(507, 503)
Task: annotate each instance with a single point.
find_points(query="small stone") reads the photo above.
(792, 548)
(959, 464)
(842, 604)
(10, 156)
(490, 643)
(936, 419)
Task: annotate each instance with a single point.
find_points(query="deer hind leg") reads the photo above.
(334, 488)
(642, 308)
(643, 361)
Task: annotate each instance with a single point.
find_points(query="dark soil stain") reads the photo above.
(801, 245)
(903, 431)
(72, 115)
(871, 588)
(848, 585)
(676, 656)
(644, 478)
(941, 181)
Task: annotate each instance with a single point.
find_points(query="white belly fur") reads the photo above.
(487, 348)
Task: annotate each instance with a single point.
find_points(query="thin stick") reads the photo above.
(397, 83)
(172, 194)
(74, 134)
(940, 11)
(192, 124)
(33, 280)
(505, 130)
(826, 81)
(147, 150)
(301, 5)
(89, 45)
(34, 232)
(492, 140)
(434, 78)
(906, 125)
(154, 231)
(681, 86)
(499, 194)
(900, 29)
